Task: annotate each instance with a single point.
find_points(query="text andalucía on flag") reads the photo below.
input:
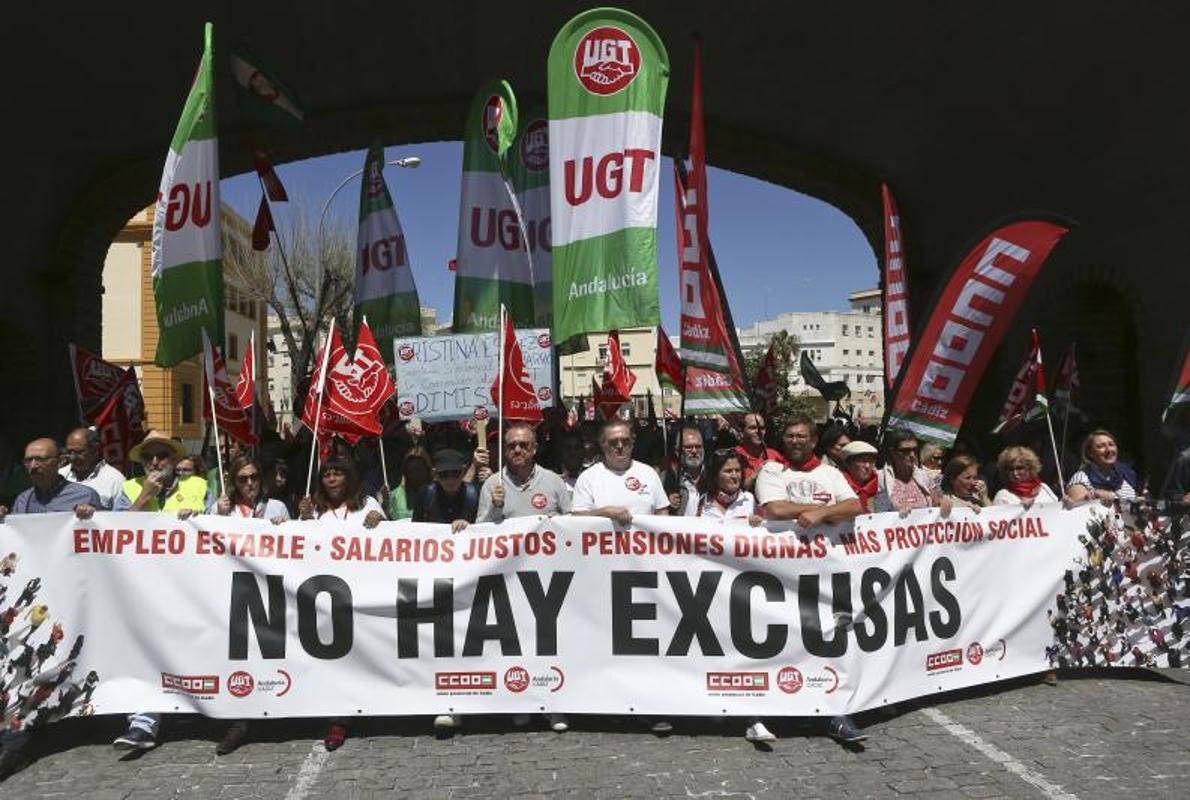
(977, 305)
(607, 76)
(187, 253)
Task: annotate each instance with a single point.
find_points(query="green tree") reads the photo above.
(786, 347)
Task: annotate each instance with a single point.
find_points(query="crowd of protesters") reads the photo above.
(739, 469)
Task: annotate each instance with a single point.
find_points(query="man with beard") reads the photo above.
(160, 489)
(810, 493)
(684, 485)
(754, 451)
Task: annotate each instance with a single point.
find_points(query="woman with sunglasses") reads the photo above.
(245, 495)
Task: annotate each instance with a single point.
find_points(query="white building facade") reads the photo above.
(844, 346)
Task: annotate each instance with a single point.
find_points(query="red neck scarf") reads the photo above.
(1028, 488)
(866, 491)
(724, 499)
(807, 465)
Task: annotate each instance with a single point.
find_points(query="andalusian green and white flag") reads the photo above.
(493, 264)
(187, 261)
(384, 288)
(529, 168)
(608, 72)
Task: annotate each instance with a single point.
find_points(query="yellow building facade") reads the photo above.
(173, 396)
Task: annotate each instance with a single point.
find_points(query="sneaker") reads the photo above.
(335, 736)
(135, 739)
(842, 729)
(234, 737)
(1050, 678)
(757, 732)
(558, 723)
(661, 727)
(447, 722)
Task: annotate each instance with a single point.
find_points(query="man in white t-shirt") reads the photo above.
(809, 492)
(618, 488)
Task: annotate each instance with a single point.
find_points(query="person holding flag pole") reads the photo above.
(209, 367)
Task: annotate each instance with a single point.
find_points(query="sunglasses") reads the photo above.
(518, 445)
(156, 455)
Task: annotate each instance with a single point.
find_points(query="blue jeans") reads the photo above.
(149, 723)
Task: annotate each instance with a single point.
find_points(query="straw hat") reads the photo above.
(157, 437)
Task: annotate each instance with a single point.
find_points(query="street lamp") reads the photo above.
(408, 162)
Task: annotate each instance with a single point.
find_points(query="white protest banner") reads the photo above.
(239, 618)
(450, 377)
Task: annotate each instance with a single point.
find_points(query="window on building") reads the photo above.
(271, 359)
(187, 403)
(846, 352)
(625, 350)
(233, 346)
(870, 332)
(844, 330)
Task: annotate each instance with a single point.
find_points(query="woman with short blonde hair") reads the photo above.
(1020, 472)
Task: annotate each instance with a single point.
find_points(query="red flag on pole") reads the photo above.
(966, 326)
(263, 227)
(667, 363)
(1067, 390)
(520, 398)
(1026, 399)
(94, 382)
(766, 381)
(268, 176)
(230, 415)
(353, 392)
(246, 385)
(896, 292)
(120, 421)
(616, 374)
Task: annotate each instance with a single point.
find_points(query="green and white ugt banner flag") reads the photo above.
(384, 289)
(529, 169)
(187, 261)
(493, 264)
(608, 72)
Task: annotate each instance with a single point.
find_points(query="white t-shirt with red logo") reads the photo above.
(822, 486)
(637, 489)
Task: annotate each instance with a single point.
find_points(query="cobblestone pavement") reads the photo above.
(1100, 734)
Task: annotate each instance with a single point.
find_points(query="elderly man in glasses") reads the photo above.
(523, 488)
(619, 487)
(50, 491)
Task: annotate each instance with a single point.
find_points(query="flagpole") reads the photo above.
(326, 357)
(500, 399)
(380, 438)
(72, 354)
(1069, 401)
(1057, 456)
(210, 370)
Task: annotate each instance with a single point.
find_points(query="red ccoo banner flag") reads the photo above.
(896, 292)
(966, 326)
(517, 399)
(229, 414)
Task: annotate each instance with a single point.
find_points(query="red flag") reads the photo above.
(966, 326)
(896, 292)
(766, 380)
(618, 380)
(230, 415)
(268, 177)
(667, 364)
(713, 380)
(1067, 390)
(120, 421)
(1180, 396)
(263, 227)
(453, 265)
(1026, 399)
(352, 393)
(246, 385)
(520, 398)
(94, 381)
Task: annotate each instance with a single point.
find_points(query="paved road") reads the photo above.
(1102, 734)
